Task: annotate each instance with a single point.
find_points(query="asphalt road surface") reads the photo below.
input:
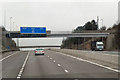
(50, 65)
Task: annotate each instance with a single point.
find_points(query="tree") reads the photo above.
(94, 25)
(103, 28)
(109, 28)
(3, 28)
(75, 40)
(79, 28)
(91, 25)
(88, 26)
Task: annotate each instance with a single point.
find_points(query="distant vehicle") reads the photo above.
(39, 51)
(97, 45)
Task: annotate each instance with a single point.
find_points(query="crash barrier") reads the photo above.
(3, 51)
(101, 58)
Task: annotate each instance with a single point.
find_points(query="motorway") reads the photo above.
(50, 65)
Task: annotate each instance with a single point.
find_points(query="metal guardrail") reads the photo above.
(104, 59)
(6, 51)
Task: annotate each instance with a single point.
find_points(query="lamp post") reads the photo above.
(13, 25)
(5, 25)
(102, 26)
(102, 22)
(10, 22)
(5, 18)
(97, 22)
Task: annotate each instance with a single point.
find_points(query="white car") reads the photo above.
(39, 52)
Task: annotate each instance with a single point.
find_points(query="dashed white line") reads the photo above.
(89, 62)
(66, 71)
(53, 60)
(9, 56)
(59, 65)
(23, 66)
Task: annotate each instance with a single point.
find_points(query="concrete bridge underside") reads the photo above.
(37, 46)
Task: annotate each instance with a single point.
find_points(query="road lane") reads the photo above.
(42, 66)
(11, 66)
(52, 65)
(23, 66)
(81, 69)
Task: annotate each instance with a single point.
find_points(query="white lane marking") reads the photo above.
(50, 58)
(9, 56)
(23, 66)
(18, 77)
(53, 60)
(59, 65)
(66, 71)
(76, 79)
(90, 62)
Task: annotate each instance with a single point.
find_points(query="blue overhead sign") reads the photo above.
(33, 30)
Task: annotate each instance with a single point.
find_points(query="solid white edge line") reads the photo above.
(50, 58)
(9, 56)
(90, 62)
(18, 77)
(23, 66)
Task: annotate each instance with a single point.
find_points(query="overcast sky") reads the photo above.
(59, 16)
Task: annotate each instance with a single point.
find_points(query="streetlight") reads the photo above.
(101, 27)
(10, 22)
(102, 22)
(13, 25)
(16, 28)
(5, 18)
(97, 22)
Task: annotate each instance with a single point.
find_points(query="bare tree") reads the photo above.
(103, 28)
